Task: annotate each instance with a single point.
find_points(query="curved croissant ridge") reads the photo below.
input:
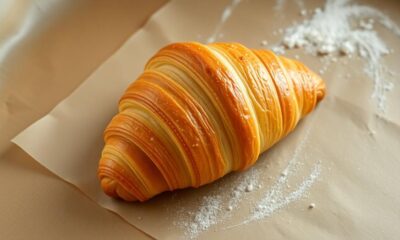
(199, 112)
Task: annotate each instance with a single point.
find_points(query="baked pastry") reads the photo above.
(199, 112)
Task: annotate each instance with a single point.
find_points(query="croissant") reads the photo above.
(199, 112)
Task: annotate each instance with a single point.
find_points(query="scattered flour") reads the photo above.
(244, 184)
(280, 50)
(217, 205)
(205, 216)
(277, 197)
(264, 43)
(225, 15)
(343, 28)
(249, 188)
(220, 205)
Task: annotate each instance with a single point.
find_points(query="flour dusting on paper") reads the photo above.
(205, 216)
(217, 205)
(222, 203)
(341, 28)
(225, 15)
(276, 198)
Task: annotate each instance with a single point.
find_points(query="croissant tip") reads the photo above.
(112, 188)
(321, 89)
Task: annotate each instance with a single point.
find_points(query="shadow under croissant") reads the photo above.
(190, 192)
(193, 195)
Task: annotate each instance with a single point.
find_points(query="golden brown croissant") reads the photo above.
(199, 112)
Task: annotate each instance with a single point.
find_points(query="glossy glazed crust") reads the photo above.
(199, 112)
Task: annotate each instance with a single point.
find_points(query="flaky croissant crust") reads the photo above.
(199, 112)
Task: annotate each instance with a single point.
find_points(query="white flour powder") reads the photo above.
(220, 205)
(277, 196)
(341, 28)
(205, 216)
(217, 205)
(276, 199)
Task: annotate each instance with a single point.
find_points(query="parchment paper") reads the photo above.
(357, 195)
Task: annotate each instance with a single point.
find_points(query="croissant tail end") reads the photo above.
(113, 189)
(320, 87)
(321, 91)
